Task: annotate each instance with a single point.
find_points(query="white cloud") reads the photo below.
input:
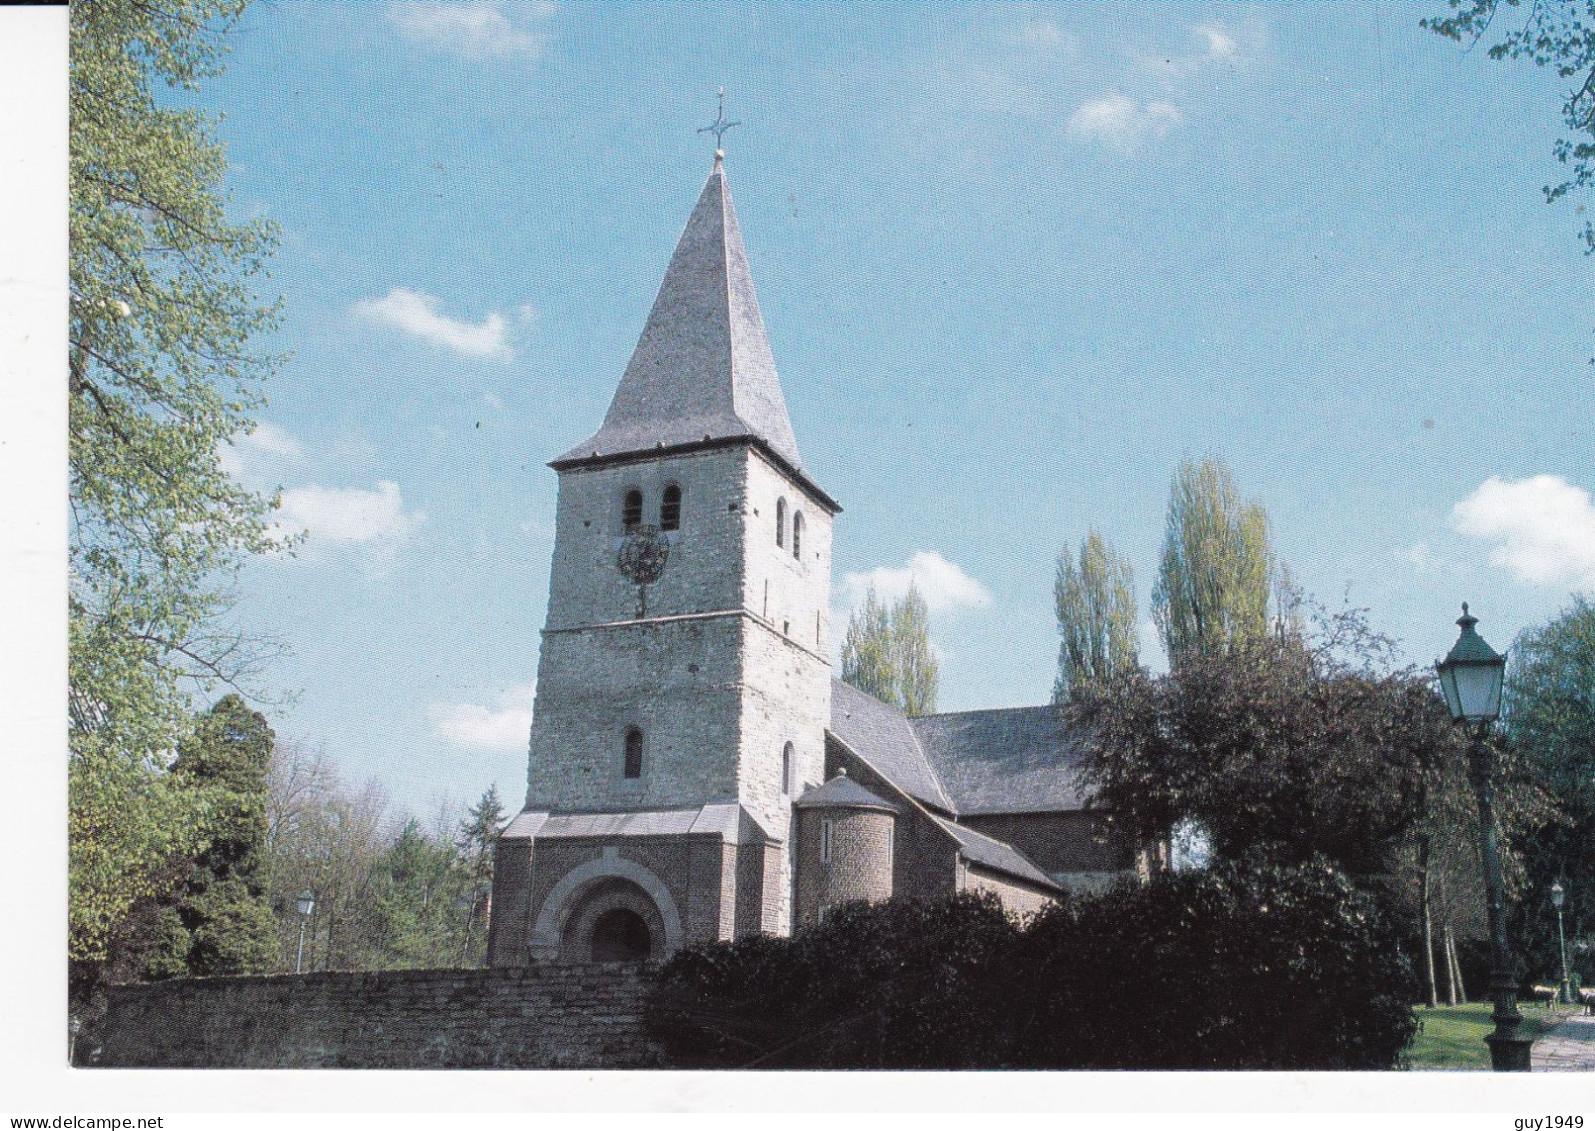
(475, 30)
(344, 516)
(417, 314)
(1220, 44)
(503, 723)
(264, 451)
(1122, 122)
(1044, 33)
(943, 584)
(1543, 527)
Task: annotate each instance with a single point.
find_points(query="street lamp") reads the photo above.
(1471, 676)
(307, 907)
(1558, 896)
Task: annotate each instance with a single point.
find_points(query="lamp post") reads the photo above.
(307, 907)
(1471, 676)
(1558, 896)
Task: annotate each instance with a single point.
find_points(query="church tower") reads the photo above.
(683, 689)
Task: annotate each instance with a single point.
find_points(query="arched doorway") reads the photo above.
(612, 920)
(620, 935)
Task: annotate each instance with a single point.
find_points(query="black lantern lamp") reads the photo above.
(1471, 676)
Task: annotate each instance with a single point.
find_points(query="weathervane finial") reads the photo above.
(719, 126)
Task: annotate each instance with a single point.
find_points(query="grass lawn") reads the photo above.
(1453, 1035)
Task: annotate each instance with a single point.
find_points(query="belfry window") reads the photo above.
(633, 767)
(631, 510)
(797, 535)
(780, 522)
(787, 785)
(670, 509)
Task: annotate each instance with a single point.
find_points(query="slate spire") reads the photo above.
(702, 370)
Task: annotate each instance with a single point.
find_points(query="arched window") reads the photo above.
(633, 753)
(797, 535)
(780, 522)
(670, 509)
(788, 786)
(631, 510)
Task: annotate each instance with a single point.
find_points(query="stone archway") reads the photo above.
(564, 928)
(612, 920)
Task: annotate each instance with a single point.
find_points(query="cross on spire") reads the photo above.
(719, 126)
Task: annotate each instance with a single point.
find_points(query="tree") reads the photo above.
(1550, 718)
(422, 888)
(918, 675)
(887, 653)
(1559, 34)
(1217, 566)
(1291, 745)
(478, 834)
(1096, 611)
(867, 662)
(161, 374)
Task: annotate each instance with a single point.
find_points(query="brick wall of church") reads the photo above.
(860, 863)
(541, 1017)
(1017, 899)
(1060, 842)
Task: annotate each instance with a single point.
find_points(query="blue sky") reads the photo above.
(1015, 261)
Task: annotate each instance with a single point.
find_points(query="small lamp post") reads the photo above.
(1471, 676)
(1558, 897)
(307, 908)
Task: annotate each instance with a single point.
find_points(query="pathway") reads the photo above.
(1570, 1047)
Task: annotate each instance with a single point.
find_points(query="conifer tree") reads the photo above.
(1096, 609)
(478, 834)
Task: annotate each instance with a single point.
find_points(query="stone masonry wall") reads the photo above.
(540, 1017)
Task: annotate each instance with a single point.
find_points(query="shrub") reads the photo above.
(1247, 966)
(901, 984)
(1240, 967)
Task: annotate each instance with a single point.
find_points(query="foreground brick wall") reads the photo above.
(538, 1017)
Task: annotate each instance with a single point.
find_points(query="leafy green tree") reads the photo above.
(867, 661)
(161, 374)
(887, 653)
(478, 834)
(1550, 718)
(1289, 746)
(1559, 34)
(1217, 567)
(918, 674)
(1095, 605)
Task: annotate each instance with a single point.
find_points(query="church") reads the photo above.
(696, 772)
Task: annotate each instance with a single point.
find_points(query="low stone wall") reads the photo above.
(536, 1017)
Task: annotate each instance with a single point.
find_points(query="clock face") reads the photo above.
(643, 555)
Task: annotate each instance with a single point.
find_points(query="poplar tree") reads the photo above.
(162, 372)
(867, 662)
(1217, 568)
(886, 652)
(1096, 609)
(918, 676)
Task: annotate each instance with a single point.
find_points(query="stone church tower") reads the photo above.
(683, 690)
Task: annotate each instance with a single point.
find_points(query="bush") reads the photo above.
(900, 984)
(1241, 967)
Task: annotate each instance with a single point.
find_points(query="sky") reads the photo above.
(1015, 262)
